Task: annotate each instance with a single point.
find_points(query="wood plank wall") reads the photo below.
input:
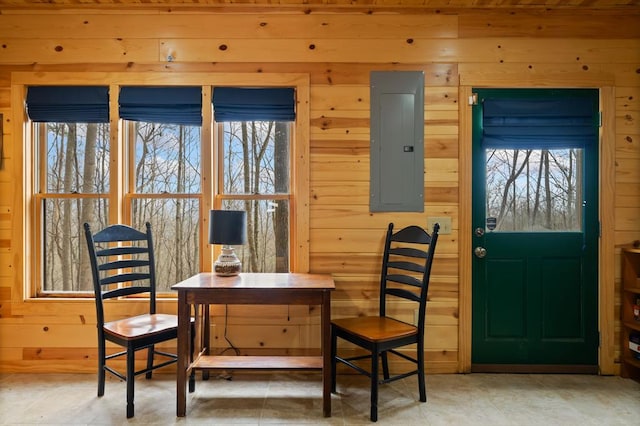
(456, 49)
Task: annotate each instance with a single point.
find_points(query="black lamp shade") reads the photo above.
(228, 227)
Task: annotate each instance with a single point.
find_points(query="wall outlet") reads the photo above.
(443, 221)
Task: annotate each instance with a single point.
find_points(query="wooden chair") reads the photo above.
(406, 267)
(122, 264)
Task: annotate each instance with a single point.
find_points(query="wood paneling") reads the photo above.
(546, 23)
(228, 26)
(507, 50)
(308, 4)
(337, 45)
(627, 194)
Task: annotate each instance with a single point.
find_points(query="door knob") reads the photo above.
(480, 252)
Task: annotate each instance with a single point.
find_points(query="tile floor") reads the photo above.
(295, 399)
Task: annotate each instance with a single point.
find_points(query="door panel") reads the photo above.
(561, 310)
(506, 299)
(535, 213)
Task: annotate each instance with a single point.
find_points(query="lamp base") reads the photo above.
(228, 263)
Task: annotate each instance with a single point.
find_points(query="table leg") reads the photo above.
(325, 324)
(184, 321)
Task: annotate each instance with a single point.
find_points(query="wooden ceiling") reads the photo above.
(357, 4)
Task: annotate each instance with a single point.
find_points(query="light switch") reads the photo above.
(443, 221)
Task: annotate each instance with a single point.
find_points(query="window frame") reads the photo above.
(130, 194)
(28, 283)
(39, 176)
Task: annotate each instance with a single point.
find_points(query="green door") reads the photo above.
(535, 230)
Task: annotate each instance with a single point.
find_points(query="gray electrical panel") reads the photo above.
(397, 141)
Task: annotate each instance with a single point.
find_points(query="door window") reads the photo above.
(534, 190)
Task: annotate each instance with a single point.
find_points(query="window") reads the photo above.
(71, 139)
(164, 185)
(534, 145)
(165, 190)
(534, 190)
(254, 139)
(254, 165)
(159, 180)
(83, 166)
(74, 158)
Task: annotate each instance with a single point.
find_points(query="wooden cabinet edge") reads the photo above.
(631, 288)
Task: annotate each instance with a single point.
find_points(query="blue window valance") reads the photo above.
(254, 104)
(68, 104)
(169, 105)
(544, 123)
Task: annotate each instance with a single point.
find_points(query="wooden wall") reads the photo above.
(457, 49)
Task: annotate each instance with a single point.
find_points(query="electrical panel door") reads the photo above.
(397, 141)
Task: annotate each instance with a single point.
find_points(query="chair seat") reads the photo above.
(376, 329)
(141, 325)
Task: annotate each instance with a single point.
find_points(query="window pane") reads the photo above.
(534, 190)
(267, 248)
(255, 157)
(176, 230)
(77, 158)
(65, 254)
(167, 158)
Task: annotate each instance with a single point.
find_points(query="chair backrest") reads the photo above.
(122, 264)
(406, 267)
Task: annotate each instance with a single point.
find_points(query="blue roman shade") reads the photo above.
(68, 104)
(254, 104)
(544, 123)
(168, 105)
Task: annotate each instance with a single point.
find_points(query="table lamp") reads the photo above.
(227, 227)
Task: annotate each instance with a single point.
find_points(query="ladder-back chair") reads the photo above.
(406, 267)
(123, 264)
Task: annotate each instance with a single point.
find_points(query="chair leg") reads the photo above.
(421, 378)
(385, 365)
(150, 354)
(131, 362)
(192, 381)
(205, 335)
(101, 364)
(334, 341)
(192, 343)
(374, 385)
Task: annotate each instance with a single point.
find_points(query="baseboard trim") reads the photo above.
(534, 368)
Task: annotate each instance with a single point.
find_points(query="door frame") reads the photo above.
(606, 260)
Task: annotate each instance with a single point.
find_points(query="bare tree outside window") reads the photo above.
(534, 190)
(256, 178)
(163, 186)
(168, 186)
(75, 163)
(166, 183)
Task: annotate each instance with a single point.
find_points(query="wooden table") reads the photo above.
(246, 289)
